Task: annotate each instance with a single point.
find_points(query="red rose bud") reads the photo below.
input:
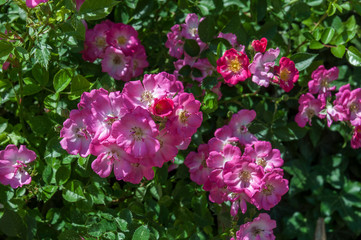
(162, 107)
(260, 45)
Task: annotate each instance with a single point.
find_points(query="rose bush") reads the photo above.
(180, 119)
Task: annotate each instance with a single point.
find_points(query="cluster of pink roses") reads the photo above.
(234, 67)
(134, 130)
(13, 163)
(254, 176)
(346, 106)
(117, 44)
(189, 30)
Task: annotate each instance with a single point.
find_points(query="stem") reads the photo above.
(20, 103)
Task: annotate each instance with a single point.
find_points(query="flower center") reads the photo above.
(19, 166)
(146, 96)
(310, 113)
(245, 176)
(234, 65)
(261, 162)
(324, 83)
(122, 40)
(137, 133)
(268, 190)
(110, 119)
(285, 74)
(183, 116)
(100, 42)
(256, 231)
(117, 60)
(354, 107)
(243, 129)
(82, 133)
(193, 31)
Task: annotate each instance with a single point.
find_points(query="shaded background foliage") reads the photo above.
(67, 200)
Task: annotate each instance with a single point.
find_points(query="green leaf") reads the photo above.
(353, 56)
(12, 225)
(5, 48)
(47, 192)
(40, 74)
(39, 124)
(303, 60)
(316, 45)
(62, 174)
(350, 23)
(327, 35)
(185, 71)
(196, 73)
(95, 9)
(209, 82)
(62, 79)
(258, 9)
(338, 51)
(141, 233)
(31, 89)
(331, 9)
(79, 84)
(210, 102)
(207, 29)
(191, 47)
(308, 35)
(73, 191)
(42, 54)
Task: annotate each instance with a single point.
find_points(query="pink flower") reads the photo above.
(217, 160)
(260, 45)
(138, 61)
(356, 138)
(190, 28)
(320, 83)
(168, 148)
(116, 64)
(34, 3)
(239, 126)
(187, 117)
(230, 37)
(261, 228)
(197, 164)
(162, 107)
(175, 42)
(309, 107)
(262, 67)
(242, 176)
(233, 66)
(273, 187)
(223, 136)
(123, 37)
(286, 74)
(154, 86)
(348, 105)
(13, 163)
(138, 172)
(136, 132)
(109, 156)
(105, 110)
(239, 200)
(76, 138)
(95, 41)
(262, 154)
